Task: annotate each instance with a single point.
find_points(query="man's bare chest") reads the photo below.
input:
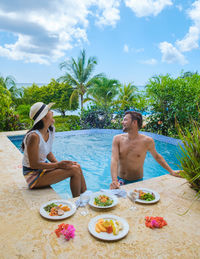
(133, 149)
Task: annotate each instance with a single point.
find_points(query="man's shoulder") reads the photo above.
(120, 137)
(146, 138)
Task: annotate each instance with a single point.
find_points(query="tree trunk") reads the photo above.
(63, 113)
(81, 102)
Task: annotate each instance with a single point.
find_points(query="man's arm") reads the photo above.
(161, 160)
(114, 163)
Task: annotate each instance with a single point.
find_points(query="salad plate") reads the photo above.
(144, 195)
(57, 209)
(103, 200)
(106, 219)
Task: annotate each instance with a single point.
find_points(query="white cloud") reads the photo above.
(108, 12)
(126, 48)
(179, 7)
(139, 50)
(147, 7)
(45, 30)
(191, 39)
(151, 61)
(171, 54)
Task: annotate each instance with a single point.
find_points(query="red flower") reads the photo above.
(155, 222)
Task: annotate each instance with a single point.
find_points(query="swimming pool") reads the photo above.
(92, 150)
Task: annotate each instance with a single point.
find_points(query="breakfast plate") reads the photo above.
(103, 200)
(57, 209)
(119, 224)
(150, 197)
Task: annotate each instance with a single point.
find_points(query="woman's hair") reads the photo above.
(39, 125)
(136, 116)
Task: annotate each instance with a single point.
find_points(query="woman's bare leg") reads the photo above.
(83, 183)
(57, 175)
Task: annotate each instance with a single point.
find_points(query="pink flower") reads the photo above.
(69, 232)
(154, 223)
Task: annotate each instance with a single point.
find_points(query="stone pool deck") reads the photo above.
(25, 234)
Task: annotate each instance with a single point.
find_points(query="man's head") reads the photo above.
(130, 118)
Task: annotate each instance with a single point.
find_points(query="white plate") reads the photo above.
(66, 214)
(105, 235)
(113, 197)
(156, 194)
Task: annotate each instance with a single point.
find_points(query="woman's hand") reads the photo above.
(65, 164)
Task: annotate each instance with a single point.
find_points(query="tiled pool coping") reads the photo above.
(162, 138)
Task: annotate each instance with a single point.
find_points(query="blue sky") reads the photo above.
(133, 40)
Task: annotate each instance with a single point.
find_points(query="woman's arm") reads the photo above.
(51, 158)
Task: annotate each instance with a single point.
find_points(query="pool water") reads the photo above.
(93, 153)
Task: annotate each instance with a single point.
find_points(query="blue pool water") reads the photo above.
(92, 150)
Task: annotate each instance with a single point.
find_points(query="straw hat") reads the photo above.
(39, 110)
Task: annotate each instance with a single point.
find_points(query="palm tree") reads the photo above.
(103, 91)
(127, 96)
(9, 84)
(79, 75)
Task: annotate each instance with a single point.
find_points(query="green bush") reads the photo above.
(11, 122)
(190, 155)
(66, 123)
(98, 117)
(173, 99)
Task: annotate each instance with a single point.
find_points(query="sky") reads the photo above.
(132, 40)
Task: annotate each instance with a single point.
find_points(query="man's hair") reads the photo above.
(136, 116)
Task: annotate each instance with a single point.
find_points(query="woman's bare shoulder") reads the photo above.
(32, 137)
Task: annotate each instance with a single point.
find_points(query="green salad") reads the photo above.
(50, 206)
(147, 197)
(103, 200)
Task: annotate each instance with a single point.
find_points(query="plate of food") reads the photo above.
(108, 227)
(103, 200)
(144, 195)
(57, 209)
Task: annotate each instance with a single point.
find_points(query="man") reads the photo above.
(129, 152)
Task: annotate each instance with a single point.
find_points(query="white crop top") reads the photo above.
(44, 147)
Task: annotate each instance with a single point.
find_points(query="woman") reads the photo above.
(37, 147)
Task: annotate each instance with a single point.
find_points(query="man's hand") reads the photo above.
(176, 173)
(115, 185)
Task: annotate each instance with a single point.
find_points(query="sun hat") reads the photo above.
(39, 110)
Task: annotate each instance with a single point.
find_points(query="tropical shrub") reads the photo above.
(23, 112)
(69, 122)
(170, 99)
(8, 119)
(190, 155)
(11, 122)
(98, 117)
(59, 93)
